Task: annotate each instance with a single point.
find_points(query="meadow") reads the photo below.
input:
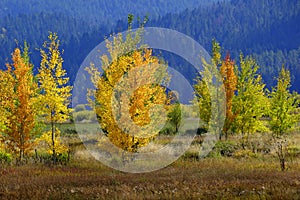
(226, 173)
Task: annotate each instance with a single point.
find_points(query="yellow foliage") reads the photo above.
(45, 143)
(19, 101)
(6, 99)
(128, 94)
(55, 94)
(138, 103)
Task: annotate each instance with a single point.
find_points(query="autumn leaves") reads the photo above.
(27, 101)
(129, 97)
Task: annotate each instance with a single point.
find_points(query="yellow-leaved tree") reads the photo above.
(21, 103)
(7, 88)
(55, 94)
(6, 101)
(128, 93)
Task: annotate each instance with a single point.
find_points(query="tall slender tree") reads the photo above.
(22, 108)
(6, 86)
(283, 113)
(250, 103)
(55, 93)
(210, 92)
(230, 84)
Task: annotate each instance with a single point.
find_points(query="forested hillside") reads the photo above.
(268, 29)
(100, 99)
(80, 25)
(98, 11)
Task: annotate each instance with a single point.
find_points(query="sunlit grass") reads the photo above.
(213, 177)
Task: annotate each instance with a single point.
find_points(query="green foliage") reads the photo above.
(204, 102)
(283, 109)
(47, 158)
(250, 103)
(5, 158)
(175, 116)
(223, 148)
(294, 151)
(283, 114)
(85, 115)
(80, 107)
(209, 87)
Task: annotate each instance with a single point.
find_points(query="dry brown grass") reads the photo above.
(225, 178)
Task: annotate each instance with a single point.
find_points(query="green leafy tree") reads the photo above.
(55, 93)
(283, 113)
(210, 86)
(203, 101)
(250, 103)
(174, 116)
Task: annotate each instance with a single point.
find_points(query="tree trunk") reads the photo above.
(53, 139)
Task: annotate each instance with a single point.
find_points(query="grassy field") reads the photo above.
(185, 179)
(242, 175)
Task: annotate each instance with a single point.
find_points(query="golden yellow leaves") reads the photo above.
(127, 96)
(46, 143)
(230, 84)
(55, 95)
(20, 120)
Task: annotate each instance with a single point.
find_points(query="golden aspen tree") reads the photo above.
(46, 144)
(21, 122)
(55, 94)
(6, 98)
(7, 89)
(128, 118)
(139, 104)
(230, 84)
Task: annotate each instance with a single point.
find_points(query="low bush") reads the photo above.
(79, 108)
(46, 158)
(223, 148)
(168, 129)
(293, 150)
(192, 156)
(5, 158)
(245, 154)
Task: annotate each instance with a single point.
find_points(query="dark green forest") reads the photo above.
(269, 30)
